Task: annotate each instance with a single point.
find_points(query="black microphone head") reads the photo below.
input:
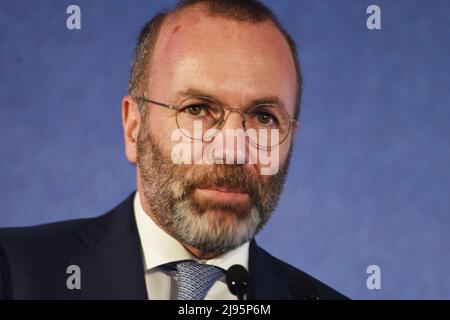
(237, 280)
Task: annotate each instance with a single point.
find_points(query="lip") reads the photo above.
(224, 189)
(224, 194)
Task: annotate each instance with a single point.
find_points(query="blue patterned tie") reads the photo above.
(195, 279)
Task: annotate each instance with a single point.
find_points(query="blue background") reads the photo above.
(369, 181)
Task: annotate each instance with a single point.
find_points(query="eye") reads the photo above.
(265, 117)
(197, 109)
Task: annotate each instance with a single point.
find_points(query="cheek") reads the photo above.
(284, 152)
(161, 126)
(270, 162)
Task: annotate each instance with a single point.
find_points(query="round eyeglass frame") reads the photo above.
(222, 119)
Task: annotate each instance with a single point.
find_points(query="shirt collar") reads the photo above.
(160, 248)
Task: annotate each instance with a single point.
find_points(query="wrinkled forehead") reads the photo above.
(229, 58)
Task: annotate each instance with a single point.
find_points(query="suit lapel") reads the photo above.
(266, 279)
(111, 263)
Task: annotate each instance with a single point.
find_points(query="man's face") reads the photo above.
(217, 207)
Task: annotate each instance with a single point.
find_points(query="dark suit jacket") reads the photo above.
(34, 261)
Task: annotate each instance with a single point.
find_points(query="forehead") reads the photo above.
(228, 58)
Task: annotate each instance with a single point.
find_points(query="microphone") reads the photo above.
(237, 280)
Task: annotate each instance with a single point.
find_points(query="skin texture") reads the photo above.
(235, 62)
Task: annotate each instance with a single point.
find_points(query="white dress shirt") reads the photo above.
(159, 248)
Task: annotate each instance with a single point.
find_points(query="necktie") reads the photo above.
(195, 279)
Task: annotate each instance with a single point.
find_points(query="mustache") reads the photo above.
(221, 176)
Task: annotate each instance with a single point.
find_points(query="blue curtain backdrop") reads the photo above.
(369, 182)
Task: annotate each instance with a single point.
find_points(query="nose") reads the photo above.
(235, 143)
(233, 119)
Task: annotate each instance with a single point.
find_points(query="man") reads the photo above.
(204, 69)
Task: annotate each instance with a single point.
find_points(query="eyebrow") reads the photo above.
(269, 100)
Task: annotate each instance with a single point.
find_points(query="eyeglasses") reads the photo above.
(259, 121)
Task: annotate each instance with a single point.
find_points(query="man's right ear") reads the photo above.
(131, 121)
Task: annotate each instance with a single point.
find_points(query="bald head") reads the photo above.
(241, 25)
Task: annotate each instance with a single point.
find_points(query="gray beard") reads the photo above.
(168, 189)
